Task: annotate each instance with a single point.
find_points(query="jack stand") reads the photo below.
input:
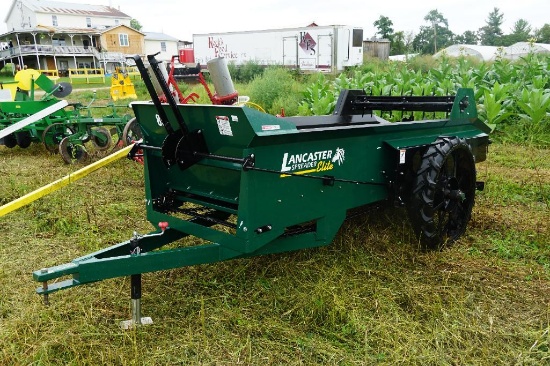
(45, 288)
(136, 320)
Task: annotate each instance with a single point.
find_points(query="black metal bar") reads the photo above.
(323, 178)
(149, 147)
(152, 92)
(249, 161)
(205, 217)
(166, 90)
(137, 150)
(135, 286)
(404, 103)
(222, 158)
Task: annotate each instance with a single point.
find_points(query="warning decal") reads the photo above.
(223, 125)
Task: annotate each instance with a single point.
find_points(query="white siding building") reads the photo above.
(28, 14)
(163, 43)
(54, 35)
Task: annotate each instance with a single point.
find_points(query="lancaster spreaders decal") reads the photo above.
(313, 161)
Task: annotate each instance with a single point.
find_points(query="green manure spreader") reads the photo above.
(250, 183)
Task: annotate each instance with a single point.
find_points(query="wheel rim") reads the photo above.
(23, 138)
(71, 152)
(444, 192)
(454, 198)
(53, 134)
(101, 139)
(131, 132)
(10, 141)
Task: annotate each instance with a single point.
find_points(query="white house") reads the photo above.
(50, 35)
(54, 35)
(27, 14)
(163, 43)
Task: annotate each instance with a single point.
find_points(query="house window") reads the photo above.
(58, 41)
(163, 46)
(89, 22)
(54, 20)
(123, 39)
(117, 22)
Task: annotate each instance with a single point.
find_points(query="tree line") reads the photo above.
(436, 35)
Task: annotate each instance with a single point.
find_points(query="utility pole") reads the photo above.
(434, 23)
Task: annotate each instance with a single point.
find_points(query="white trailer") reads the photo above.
(318, 48)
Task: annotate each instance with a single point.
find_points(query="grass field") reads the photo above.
(369, 298)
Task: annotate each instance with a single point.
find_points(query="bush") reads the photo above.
(288, 102)
(7, 70)
(276, 88)
(370, 64)
(422, 63)
(245, 73)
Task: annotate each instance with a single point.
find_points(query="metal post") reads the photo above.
(20, 57)
(45, 287)
(72, 51)
(53, 50)
(36, 50)
(91, 49)
(135, 290)
(297, 57)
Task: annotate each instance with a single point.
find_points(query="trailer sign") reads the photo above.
(307, 63)
(307, 43)
(220, 48)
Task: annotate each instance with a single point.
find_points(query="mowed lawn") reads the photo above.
(369, 298)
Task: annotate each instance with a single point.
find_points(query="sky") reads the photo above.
(181, 19)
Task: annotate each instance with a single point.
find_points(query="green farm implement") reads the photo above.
(64, 129)
(250, 183)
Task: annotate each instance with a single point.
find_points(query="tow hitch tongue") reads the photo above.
(134, 247)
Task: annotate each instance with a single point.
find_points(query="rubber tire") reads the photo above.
(102, 145)
(23, 138)
(446, 181)
(54, 133)
(71, 152)
(10, 141)
(131, 132)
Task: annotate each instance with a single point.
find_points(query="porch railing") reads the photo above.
(45, 49)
